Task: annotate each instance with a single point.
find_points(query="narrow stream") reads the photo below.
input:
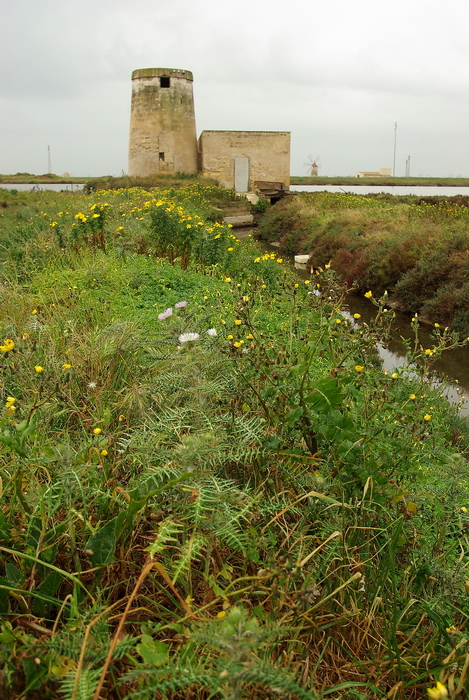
(452, 367)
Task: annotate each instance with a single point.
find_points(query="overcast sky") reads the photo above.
(337, 74)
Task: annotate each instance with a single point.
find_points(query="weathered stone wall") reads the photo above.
(267, 154)
(162, 122)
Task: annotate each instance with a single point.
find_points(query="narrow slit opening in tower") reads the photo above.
(161, 156)
(165, 82)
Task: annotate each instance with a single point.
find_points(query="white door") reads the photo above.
(241, 174)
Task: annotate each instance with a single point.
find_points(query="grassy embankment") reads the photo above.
(210, 488)
(417, 249)
(106, 181)
(159, 180)
(383, 181)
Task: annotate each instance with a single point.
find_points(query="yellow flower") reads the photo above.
(104, 453)
(464, 509)
(413, 397)
(221, 614)
(359, 368)
(250, 336)
(33, 312)
(237, 344)
(10, 401)
(223, 321)
(369, 294)
(439, 692)
(237, 322)
(66, 366)
(427, 416)
(227, 279)
(428, 351)
(7, 346)
(229, 337)
(356, 316)
(263, 286)
(280, 260)
(307, 281)
(437, 325)
(39, 369)
(338, 320)
(394, 375)
(230, 249)
(97, 431)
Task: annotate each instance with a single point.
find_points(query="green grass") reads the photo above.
(383, 181)
(159, 180)
(260, 511)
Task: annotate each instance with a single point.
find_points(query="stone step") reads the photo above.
(236, 207)
(240, 220)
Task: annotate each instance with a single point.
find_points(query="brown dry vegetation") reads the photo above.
(415, 248)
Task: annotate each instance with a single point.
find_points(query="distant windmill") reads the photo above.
(312, 167)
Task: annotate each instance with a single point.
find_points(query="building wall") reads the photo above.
(162, 122)
(267, 154)
(383, 172)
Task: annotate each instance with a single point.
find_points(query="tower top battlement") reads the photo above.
(162, 73)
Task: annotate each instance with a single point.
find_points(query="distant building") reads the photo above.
(383, 172)
(163, 138)
(314, 170)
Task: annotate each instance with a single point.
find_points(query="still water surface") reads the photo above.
(40, 187)
(453, 366)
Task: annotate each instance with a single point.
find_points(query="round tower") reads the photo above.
(162, 122)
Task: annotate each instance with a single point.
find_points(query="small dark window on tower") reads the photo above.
(161, 155)
(164, 82)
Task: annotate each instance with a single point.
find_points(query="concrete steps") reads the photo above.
(237, 213)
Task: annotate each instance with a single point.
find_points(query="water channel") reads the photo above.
(452, 367)
(40, 186)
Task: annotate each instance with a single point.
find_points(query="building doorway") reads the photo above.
(241, 174)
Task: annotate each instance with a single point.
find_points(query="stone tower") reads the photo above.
(162, 122)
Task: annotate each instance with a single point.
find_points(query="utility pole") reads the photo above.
(394, 160)
(49, 166)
